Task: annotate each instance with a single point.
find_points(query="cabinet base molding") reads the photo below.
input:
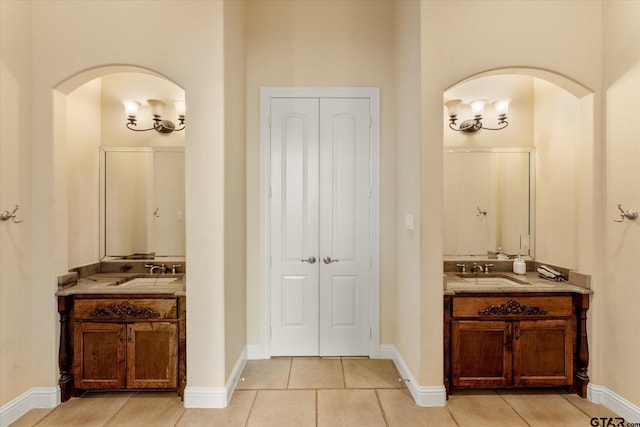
(602, 395)
(37, 397)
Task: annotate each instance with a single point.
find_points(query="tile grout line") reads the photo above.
(253, 402)
(182, 414)
(124, 405)
(451, 415)
(513, 409)
(576, 406)
(289, 376)
(384, 414)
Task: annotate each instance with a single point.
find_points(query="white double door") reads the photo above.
(320, 210)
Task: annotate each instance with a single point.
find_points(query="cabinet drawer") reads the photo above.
(126, 309)
(512, 306)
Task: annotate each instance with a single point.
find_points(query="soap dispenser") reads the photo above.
(519, 266)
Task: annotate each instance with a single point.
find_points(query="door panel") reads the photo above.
(481, 353)
(543, 352)
(99, 355)
(152, 360)
(345, 227)
(320, 207)
(294, 227)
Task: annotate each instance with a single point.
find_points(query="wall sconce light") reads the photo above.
(159, 125)
(477, 109)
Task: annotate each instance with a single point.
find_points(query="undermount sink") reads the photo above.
(494, 281)
(149, 281)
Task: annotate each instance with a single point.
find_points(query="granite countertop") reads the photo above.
(529, 283)
(115, 283)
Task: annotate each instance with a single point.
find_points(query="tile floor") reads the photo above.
(324, 392)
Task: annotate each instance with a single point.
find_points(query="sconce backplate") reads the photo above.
(166, 126)
(470, 126)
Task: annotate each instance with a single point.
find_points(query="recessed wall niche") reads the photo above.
(96, 118)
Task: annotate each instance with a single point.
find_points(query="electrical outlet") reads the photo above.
(524, 241)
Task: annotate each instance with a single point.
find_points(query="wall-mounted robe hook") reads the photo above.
(155, 213)
(630, 214)
(480, 212)
(6, 215)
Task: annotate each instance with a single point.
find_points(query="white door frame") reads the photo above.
(266, 94)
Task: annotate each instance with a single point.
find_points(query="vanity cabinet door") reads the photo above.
(152, 355)
(481, 353)
(542, 352)
(99, 355)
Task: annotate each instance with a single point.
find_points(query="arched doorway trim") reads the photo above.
(572, 86)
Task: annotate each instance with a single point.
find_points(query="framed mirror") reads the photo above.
(488, 201)
(141, 202)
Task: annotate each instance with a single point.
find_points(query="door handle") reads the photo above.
(328, 260)
(310, 260)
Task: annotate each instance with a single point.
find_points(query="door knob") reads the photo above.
(328, 260)
(310, 260)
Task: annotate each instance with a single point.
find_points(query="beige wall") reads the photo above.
(407, 190)
(18, 349)
(69, 39)
(95, 117)
(320, 43)
(502, 34)
(615, 305)
(83, 139)
(234, 185)
(311, 43)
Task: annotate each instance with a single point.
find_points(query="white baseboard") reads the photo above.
(37, 397)
(205, 397)
(254, 352)
(618, 404)
(215, 397)
(235, 374)
(422, 395)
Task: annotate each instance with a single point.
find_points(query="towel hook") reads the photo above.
(6, 215)
(630, 214)
(480, 212)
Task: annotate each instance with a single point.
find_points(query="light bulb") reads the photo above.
(452, 106)
(131, 108)
(477, 107)
(156, 106)
(502, 106)
(180, 107)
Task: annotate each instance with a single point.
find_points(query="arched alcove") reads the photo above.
(550, 117)
(89, 114)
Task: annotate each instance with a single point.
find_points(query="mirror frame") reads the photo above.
(103, 150)
(531, 151)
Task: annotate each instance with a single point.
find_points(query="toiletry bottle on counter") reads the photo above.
(519, 266)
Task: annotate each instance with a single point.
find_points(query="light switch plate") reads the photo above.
(524, 241)
(408, 222)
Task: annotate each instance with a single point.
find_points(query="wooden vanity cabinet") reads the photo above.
(515, 340)
(111, 343)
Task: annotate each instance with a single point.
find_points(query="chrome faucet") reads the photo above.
(153, 267)
(476, 268)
